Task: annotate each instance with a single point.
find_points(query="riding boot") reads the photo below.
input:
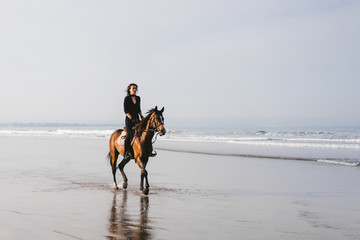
(127, 156)
(127, 153)
(152, 153)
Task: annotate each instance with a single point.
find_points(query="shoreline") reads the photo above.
(328, 156)
(323, 160)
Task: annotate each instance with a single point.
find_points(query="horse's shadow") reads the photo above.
(123, 225)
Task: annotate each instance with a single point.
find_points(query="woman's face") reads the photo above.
(133, 90)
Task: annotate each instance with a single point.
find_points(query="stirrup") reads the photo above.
(127, 156)
(153, 154)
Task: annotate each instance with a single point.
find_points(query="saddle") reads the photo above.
(121, 140)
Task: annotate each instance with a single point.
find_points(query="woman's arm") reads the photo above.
(141, 116)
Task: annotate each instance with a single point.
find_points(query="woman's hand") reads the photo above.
(134, 120)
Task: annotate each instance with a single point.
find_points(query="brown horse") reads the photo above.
(142, 146)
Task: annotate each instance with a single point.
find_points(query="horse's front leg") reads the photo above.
(144, 174)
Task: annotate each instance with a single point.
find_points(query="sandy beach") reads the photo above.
(61, 188)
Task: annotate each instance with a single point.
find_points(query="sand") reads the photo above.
(61, 188)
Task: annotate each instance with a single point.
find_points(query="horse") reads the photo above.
(145, 130)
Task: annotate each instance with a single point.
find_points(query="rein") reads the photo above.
(156, 135)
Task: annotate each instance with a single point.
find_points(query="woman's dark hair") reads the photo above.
(128, 88)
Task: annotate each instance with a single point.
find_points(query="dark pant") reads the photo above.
(129, 129)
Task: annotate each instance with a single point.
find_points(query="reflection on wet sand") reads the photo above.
(123, 225)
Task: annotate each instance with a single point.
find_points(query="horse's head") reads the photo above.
(157, 121)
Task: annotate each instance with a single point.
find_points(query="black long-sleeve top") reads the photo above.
(131, 107)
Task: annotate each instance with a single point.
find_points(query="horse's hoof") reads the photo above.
(116, 187)
(125, 185)
(145, 191)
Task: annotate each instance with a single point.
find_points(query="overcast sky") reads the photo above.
(286, 60)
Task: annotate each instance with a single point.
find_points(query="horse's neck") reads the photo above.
(147, 135)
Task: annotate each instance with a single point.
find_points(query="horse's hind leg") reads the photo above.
(114, 155)
(121, 167)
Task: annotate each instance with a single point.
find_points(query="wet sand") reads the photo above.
(58, 188)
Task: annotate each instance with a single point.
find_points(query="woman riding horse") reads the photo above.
(144, 132)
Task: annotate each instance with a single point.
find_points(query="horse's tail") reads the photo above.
(108, 157)
(113, 148)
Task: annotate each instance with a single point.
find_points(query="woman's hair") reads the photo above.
(128, 88)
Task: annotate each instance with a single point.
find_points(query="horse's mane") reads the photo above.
(141, 126)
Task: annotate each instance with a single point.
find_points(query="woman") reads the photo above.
(133, 115)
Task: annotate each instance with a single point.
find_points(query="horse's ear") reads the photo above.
(155, 108)
(162, 110)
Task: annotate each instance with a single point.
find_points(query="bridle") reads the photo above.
(155, 129)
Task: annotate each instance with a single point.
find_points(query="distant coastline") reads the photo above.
(56, 125)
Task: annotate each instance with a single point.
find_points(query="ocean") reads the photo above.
(339, 146)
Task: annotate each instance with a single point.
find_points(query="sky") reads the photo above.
(208, 62)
